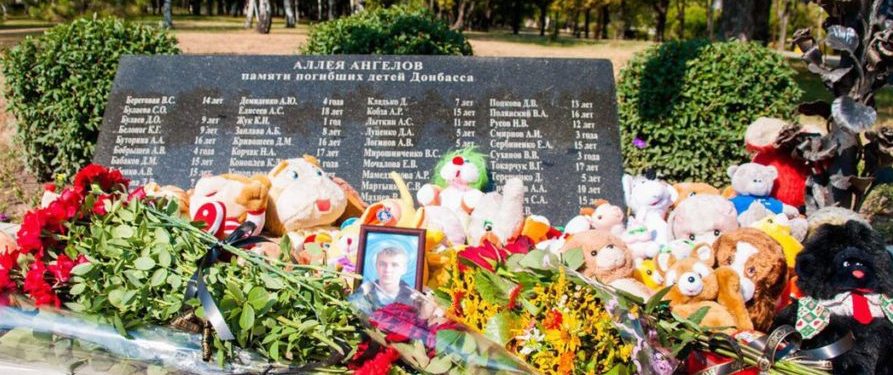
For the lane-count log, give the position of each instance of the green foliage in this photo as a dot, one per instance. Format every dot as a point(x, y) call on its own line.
point(57, 84)
point(387, 31)
point(691, 102)
point(58, 10)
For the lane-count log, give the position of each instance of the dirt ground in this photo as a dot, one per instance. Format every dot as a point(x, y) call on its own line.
point(19, 190)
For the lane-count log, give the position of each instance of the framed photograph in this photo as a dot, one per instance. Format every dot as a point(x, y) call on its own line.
point(391, 261)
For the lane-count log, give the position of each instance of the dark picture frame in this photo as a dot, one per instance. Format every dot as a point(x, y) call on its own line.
point(365, 248)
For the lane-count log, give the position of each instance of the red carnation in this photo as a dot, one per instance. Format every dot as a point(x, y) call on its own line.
point(483, 256)
point(380, 364)
point(38, 288)
point(513, 296)
point(553, 319)
point(107, 180)
point(99, 205)
point(7, 264)
point(62, 269)
point(29, 235)
point(138, 194)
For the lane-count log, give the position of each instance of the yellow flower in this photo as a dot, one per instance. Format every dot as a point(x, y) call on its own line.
point(567, 337)
point(566, 363)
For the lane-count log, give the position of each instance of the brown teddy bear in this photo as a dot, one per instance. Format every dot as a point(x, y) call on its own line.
point(607, 259)
point(696, 285)
point(760, 263)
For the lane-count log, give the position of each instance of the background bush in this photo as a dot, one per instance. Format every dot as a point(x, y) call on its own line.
point(690, 103)
point(387, 31)
point(57, 85)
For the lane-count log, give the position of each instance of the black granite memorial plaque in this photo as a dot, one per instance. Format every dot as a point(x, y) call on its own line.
point(551, 122)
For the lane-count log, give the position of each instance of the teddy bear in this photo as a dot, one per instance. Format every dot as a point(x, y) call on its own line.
point(498, 217)
point(702, 218)
point(649, 200)
point(845, 276)
point(695, 285)
point(226, 201)
point(761, 139)
point(760, 263)
point(602, 216)
point(608, 260)
point(752, 184)
point(685, 190)
point(460, 177)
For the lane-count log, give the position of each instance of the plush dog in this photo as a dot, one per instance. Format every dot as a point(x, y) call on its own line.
point(760, 263)
point(302, 196)
point(846, 278)
point(225, 201)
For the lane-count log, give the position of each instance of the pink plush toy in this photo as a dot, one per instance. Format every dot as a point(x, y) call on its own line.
point(602, 216)
point(459, 178)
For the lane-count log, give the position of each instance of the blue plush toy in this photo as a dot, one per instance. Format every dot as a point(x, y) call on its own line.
point(753, 183)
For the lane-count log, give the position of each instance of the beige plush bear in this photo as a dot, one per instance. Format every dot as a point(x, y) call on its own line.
point(607, 259)
point(702, 218)
point(753, 184)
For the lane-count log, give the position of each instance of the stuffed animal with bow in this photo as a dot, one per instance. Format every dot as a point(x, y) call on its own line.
point(846, 278)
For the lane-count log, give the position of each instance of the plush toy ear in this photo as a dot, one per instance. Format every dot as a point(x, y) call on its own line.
point(773, 172)
point(674, 194)
point(731, 171)
point(704, 253)
point(637, 262)
point(665, 261)
point(627, 188)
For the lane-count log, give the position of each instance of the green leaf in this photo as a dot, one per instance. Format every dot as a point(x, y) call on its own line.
point(77, 289)
point(144, 263)
point(447, 339)
point(274, 350)
point(123, 231)
point(499, 327)
point(116, 298)
point(574, 259)
point(258, 297)
point(82, 269)
point(439, 365)
point(493, 288)
point(158, 277)
point(272, 282)
point(656, 300)
point(164, 258)
point(246, 319)
point(119, 326)
point(699, 315)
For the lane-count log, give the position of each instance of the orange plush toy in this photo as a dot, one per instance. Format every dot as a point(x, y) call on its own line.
point(760, 263)
point(696, 285)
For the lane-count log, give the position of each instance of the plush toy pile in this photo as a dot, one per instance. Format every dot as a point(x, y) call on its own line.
point(730, 259)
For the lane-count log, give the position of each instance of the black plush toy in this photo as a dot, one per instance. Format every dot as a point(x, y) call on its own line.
point(846, 276)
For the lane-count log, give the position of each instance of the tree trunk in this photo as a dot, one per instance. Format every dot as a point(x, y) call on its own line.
point(331, 10)
point(555, 21)
point(459, 24)
point(196, 7)
point(221, 7)
point(166, 11)
point(250, 12)
point(544, 7)
point(736, 20)
point(710, 34)
point(661, 7)
point(586, 23)
point(784, 14)
point(264, 16)
point(210, 7)
point(762, 10)
point(289, 13)
point(606, 19)
point(575, 16)
point(516, 16)
point(626, 18)
point(319, 10)
point(680, 17)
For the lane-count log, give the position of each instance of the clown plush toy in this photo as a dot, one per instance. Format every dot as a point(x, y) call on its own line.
point(459, 178)
point(224, 202)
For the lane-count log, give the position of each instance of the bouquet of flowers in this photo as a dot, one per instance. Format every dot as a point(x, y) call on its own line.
point(125, 259)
